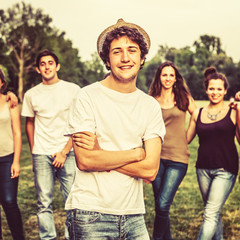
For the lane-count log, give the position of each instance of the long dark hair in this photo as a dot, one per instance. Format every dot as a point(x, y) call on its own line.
point(180, 88)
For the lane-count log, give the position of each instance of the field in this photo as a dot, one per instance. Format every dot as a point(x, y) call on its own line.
point(186, 211)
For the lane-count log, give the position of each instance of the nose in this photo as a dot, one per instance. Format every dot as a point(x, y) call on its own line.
point(125, 56)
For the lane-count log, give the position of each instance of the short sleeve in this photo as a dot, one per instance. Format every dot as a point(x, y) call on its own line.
point(27, 107)
point(155, 126)
point(81, 117)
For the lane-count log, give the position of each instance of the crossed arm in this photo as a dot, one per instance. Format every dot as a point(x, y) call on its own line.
point(135, 162)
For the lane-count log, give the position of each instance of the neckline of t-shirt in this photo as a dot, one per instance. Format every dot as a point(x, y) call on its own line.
point(51, 85)
point(109, 90)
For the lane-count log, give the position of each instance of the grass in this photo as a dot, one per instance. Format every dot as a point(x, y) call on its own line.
point(186, 210)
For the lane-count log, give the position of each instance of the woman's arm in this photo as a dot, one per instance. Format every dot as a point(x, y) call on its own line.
point(17, 139)
point(191, 132)
point(191, 106)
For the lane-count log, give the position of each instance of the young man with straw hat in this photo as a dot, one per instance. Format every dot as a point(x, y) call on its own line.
point(109, 121)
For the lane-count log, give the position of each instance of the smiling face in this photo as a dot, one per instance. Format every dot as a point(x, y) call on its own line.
point(48, 69)
point(167, 77)
point(216, 91)
point(124, 59)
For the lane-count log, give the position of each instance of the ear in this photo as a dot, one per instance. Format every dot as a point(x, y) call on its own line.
point(58, 67)
point(37, 69)
point(143, 60)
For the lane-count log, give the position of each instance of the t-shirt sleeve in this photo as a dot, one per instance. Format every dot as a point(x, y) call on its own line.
point(27, 107)
point(156, 126)
point(81, 117)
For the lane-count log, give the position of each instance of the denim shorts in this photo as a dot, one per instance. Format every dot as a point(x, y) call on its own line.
point(91, 225)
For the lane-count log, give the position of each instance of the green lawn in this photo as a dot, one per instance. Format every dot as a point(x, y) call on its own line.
point(186, 211)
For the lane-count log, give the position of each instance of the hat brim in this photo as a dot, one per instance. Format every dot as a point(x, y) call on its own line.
point(121, 23)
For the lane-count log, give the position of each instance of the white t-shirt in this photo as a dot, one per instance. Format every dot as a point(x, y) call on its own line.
point(121, 121)
point(50, 105)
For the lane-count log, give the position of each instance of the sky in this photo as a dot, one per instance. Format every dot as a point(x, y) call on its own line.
point(175, 23)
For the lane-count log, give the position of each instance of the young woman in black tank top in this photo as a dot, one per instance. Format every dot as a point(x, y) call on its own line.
point(217, 163)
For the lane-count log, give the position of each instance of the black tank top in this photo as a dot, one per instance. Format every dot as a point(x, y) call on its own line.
point(217, 148)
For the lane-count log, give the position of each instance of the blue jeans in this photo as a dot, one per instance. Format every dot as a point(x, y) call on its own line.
point(165, 185)
point(88, 225)
point(215, 186)
point(44, 177)
point(8, 198)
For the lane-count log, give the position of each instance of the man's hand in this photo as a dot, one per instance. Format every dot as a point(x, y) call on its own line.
point(12, 98)
point(237, 96)
point(234, 104)
point(86, 140)
point(59, 159)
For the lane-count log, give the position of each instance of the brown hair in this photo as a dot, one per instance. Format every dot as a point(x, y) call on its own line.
point(131, 33)
point(2, 77)
point(180, 89)
point(211, 73)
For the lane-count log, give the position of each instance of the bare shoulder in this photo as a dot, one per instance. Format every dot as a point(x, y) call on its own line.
point(195, 114)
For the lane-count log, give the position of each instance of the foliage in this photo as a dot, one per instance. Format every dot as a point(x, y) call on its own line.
point(24, 32)
point(191, 61)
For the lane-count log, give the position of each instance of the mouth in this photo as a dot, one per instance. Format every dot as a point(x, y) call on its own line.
point(127, 67)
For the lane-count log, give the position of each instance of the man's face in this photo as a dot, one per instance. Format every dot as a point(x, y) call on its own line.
point(48, 68)
point(124, 59)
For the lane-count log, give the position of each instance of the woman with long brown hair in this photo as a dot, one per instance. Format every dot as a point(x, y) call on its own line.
point(171, 91)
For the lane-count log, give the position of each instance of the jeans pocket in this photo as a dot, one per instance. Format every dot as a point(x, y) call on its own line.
point(85, 217)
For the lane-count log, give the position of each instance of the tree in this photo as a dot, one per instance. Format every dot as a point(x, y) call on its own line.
point(21, 29)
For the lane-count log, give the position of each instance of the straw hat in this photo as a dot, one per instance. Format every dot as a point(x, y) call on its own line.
point(121, 23)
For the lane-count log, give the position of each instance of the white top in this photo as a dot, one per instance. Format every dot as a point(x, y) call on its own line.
point(50, 105)
point(121, 121)
point(6, 133)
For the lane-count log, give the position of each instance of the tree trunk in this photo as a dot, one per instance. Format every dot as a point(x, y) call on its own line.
point(20, 80)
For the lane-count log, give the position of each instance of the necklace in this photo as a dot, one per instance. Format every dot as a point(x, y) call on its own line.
point(214, 117)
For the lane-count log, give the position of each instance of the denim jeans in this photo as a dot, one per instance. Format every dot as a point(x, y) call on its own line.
point(215, 186)
point(165, 185)
point(88, 225)
point(8, 198)
point(44, 177)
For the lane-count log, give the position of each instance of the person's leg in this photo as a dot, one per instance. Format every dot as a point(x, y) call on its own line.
point(8, 198)
point(136, 228)
point(66, 176)
point(44, 177)
point(172, 174)
point(0, 225)
point(215, 186)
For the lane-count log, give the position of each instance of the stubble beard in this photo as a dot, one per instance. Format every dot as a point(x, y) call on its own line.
point(124, 80)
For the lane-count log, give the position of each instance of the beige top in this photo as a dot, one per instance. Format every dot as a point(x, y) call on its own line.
point(6, 134)
point(175, 145)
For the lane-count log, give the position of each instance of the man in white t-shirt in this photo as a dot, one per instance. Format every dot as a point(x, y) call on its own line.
point(106, 199)
point(46, 107)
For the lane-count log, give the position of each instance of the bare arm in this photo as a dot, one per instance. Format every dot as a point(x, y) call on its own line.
point(17, 138)
point(12, 99)
point(191, 132)
point(148, 168)
point(99, 160)
point(191, 106)
point(30, 131)
point(60, 157)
